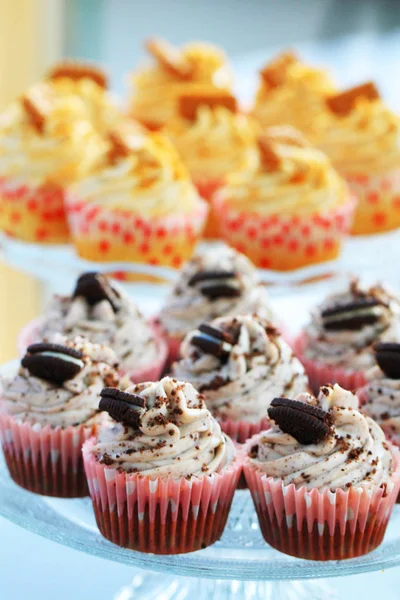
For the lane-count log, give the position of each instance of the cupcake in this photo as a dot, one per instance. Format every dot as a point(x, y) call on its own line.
point(213, 139)
point(361, 136)
point(337, 345)
point(215, 282)
point(289, 208)
point(156, 87)
point(48, 409)
point(138, 205)
point(240, 364)
point(100, 311)
point(323, 479)
point(380, 397)
point(162, 474)
point(293, 93)
point(45, 144)
point(88, 83)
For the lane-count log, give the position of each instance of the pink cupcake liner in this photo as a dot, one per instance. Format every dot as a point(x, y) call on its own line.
point(162, 516)
point(30, 334)
point(173, 342)
point(240, 431)
point(320, 374)
point(321, 525)
point(45, 460)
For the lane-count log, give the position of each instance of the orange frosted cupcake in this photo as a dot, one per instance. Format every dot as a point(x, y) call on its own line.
point(45, 144)
point(213, 139)
point(138, 205)
point(89, 83)
point(291, 92)
point(288, 210)
point(156, 87)
point(361, 136)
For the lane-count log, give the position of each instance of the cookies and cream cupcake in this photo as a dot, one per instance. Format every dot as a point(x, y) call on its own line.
point(215, 282)
point(240, 364)
point(323, 478)
point(156, 87)
point(161, 447)
point(100, 311)
point(48, 408)
point(337, 344)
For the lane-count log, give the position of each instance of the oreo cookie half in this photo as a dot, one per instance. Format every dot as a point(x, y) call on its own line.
point(214, 340)
point(387, 355)
point(216, 284)
point(353, 315)
point(121, 406)
point(307, 424)
point(95, 287)
point(53, 362)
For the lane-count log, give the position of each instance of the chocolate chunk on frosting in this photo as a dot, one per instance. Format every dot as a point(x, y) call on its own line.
point(308, 424)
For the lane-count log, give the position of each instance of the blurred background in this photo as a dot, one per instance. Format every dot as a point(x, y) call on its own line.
point(358, 39)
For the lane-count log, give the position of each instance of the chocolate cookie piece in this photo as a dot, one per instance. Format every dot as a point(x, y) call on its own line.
point(95, 287)
point(53, 362)
point(306, 423)
point(353, 315)
point(216, 284)
point(121, 406)
point(387, 355)
point(214, 340)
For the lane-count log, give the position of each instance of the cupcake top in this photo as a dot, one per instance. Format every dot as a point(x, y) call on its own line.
point(47, 140)
point(161, 429)
point(59, 384)
point(101, 312)
point(323, 444)
point(359, 132)
point(382, 392)
point(141, 173)
point(346, 325)
point(292, 92)
point(89, 83)
point(286, 176)
point(210, 134)
point(240, 364)
point(214, 283)
point(175, 70)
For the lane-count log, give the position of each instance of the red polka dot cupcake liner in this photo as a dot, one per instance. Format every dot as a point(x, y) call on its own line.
point(33, 214)
point(207, 190)
point(111, 235)
point(284, 243)
point(45, 460)
point(162, 516)
point(320, 374)
point(378, 207)
point(321, 525)
point(31, 334)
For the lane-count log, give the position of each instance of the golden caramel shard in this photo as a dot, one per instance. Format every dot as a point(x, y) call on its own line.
point(343, 103)
point(124, 140)
point(269, 159)
point(170, 58)
point(37, 103)
point(274, 73)
point(75, 70)
point(189, 102)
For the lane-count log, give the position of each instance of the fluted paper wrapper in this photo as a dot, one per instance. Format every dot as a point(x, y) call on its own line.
point(240, 431)
point(45, 460)
point(320, 374)
point(321, 525)
point(162, 516)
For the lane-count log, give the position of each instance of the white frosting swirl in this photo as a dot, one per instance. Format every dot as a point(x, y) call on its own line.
point(383, 402)
point(176, 435)
point(126, 330)
point(74, 402)
point(353, 454)
point(186, 307)
point(260, 366)
point(352, 348)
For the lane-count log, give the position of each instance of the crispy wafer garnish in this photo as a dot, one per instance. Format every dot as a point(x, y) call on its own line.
point(274, 73)
point(169, 57)
point(123, 141)
point(269, 158)
point(76, 70)
point(37, 103)
point(343, 103)
point(189, 102)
